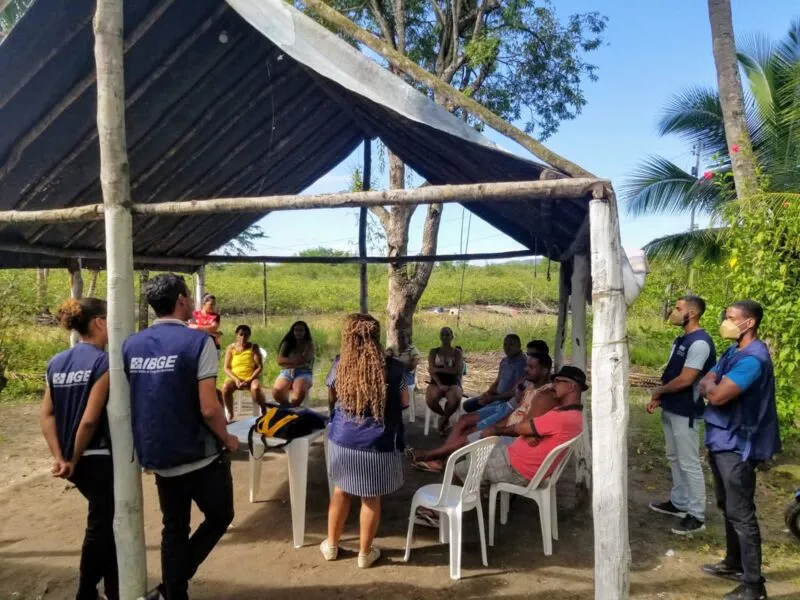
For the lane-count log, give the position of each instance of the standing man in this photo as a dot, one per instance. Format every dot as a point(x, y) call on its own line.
point(179, 431)
point(693, 354)
point(741, 432)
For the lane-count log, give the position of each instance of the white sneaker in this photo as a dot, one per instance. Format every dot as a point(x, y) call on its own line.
point(328, 552)
point(367, 560)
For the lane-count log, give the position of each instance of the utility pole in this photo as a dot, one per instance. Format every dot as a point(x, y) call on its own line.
point(697, 149)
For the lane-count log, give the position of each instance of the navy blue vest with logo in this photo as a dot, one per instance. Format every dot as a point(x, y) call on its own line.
point(683, 403)
point(748, 424)
point(70, 377)
point(168, 427)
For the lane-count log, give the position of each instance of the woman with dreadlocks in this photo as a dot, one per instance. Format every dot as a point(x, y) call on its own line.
point(365, 439)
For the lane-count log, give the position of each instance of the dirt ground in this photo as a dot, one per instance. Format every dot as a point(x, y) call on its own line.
point(43, 519)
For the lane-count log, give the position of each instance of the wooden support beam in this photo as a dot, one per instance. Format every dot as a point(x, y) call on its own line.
point(363, 295)
point(189, 263)
point(199, 286)
point(115, 182)
point(513, 191)
point(454, 96)
point(610, 365)
point(264, 282)
point(144, 307)
point(76, 293)
point(580, 289)
point(561, 320)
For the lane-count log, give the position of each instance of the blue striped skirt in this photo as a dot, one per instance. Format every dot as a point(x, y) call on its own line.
point(365, 473)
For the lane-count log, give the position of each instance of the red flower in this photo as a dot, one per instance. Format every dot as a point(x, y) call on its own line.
point(735, 148)
point(708, 175)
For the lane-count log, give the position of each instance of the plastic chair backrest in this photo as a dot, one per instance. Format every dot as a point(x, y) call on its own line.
point(477, 453)
point(263, 353)
point(562, 453)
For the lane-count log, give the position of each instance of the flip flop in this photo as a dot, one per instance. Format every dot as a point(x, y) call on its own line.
point(410, 455)
point(424, 465)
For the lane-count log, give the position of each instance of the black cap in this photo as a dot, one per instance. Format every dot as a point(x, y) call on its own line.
point(573, 373)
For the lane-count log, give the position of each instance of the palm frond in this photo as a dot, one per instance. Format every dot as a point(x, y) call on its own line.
point(659, 186)
point(701, 245)
point(695, 114)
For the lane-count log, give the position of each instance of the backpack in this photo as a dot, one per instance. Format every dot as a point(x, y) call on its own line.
point(285, 424)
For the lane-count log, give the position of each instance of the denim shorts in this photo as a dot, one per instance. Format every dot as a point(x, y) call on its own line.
point(491, 414)
point(294, 374)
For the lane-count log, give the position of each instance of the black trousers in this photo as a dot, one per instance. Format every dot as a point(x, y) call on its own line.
point(211, 488)
point(94, 478)
point(735, 489)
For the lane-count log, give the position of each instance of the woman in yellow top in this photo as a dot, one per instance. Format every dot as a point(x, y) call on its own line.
point(243, 367)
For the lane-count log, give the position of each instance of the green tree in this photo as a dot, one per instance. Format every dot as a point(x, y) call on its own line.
point(245, 242)
point(659, 186)
point(517, 57)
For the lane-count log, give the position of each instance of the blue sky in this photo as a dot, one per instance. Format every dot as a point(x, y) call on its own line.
point(652, 52)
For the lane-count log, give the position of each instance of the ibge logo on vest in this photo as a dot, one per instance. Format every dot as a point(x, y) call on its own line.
point(72, 378)
point(155, 364)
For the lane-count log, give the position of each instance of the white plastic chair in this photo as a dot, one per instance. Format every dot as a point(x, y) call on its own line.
point(541, 489)
point(412, 404)
point(240, 396)
point(452, 501)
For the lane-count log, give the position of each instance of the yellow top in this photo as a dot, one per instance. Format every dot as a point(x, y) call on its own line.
point(243, 362)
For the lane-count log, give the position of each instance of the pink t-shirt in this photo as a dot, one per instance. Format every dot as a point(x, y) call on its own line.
point(554, 428)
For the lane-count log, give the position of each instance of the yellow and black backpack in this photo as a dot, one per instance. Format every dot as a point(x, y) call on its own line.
point(284, 424)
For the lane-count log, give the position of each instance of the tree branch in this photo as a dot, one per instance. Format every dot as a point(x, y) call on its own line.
point(382, 215)
point(400, 25)
point(430, 236)
point(382, 23)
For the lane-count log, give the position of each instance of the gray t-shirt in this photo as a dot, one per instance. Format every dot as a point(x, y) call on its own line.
point(696, 357)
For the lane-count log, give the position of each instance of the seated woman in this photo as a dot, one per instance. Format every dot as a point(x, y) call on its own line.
point(207, 318)
point(532, 399)
point(445, 368)
point(365, 438)
point(243, 367)
point(406, 353)
point(296, 359)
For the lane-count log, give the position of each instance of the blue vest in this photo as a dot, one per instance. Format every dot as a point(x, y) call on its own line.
point(70, 377)
point(749, 423)
point(683, 403)
point(168, 427)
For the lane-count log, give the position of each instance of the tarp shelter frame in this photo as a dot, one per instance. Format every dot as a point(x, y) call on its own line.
point(609, 356)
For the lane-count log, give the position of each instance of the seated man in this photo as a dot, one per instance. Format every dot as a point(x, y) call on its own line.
point(528, 403)
point(537, 347)
point(243, 366)
point(511, 372)
point(533, 439)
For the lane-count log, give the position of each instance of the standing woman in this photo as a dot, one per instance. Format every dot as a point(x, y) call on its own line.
point(207, 318)
point(445, 365)
point(365, 439)
point(296, 359)
point(75, 426)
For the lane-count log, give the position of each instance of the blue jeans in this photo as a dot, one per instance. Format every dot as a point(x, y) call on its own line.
point(471, 405)
point(493, 413)
point(683, 452)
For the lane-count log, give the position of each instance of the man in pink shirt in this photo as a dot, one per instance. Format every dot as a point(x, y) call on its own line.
point(526, 444)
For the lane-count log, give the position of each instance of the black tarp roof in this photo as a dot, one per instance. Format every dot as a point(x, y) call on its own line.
point(215, 108)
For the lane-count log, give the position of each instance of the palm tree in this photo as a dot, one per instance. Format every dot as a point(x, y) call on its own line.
point(772, 113)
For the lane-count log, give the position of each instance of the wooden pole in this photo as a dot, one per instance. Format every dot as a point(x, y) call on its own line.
point(115, 183)
point(580, 288)
point(561, 320)
point(144, 307)
point(199, 286)
point(610, 365)
point(454, 97)
point(76, 293)
point(264, 282)
point(362, 230)
point(505, 191)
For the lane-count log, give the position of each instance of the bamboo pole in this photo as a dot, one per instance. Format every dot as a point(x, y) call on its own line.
point(455, 97)
point(610, 365)
point(199, 286)
point(144, 308)
point(115, 183)
point(363, 295)
point(506, 191)
point(561, 320)
point(264, 282)
point(580, 287)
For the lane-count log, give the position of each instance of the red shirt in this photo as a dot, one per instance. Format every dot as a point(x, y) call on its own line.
point(205, 319)
point(553, 428)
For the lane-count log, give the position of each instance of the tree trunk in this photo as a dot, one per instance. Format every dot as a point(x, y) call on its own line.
point(731, 99)
point(41, 290)
point(564, 273)
point(115, 183)
point(76, 293)
point(580, 286)
point(92, 283)
point(144, 307)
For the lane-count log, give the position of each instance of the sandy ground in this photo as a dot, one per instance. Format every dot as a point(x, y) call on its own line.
point(43, 519)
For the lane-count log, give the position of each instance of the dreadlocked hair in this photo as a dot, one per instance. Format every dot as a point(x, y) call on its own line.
point(361, 374)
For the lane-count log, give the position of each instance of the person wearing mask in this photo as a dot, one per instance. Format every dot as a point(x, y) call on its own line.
point(510, 372)
point(692, 356)
point(741, 432)
point(179, 431)
point(75, 426)
point(365, 437)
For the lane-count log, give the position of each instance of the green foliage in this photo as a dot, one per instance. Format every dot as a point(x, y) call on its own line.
point(244, 243)
point(764, 266)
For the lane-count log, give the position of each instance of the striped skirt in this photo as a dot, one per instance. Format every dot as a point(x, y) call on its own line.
point(365, 473)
